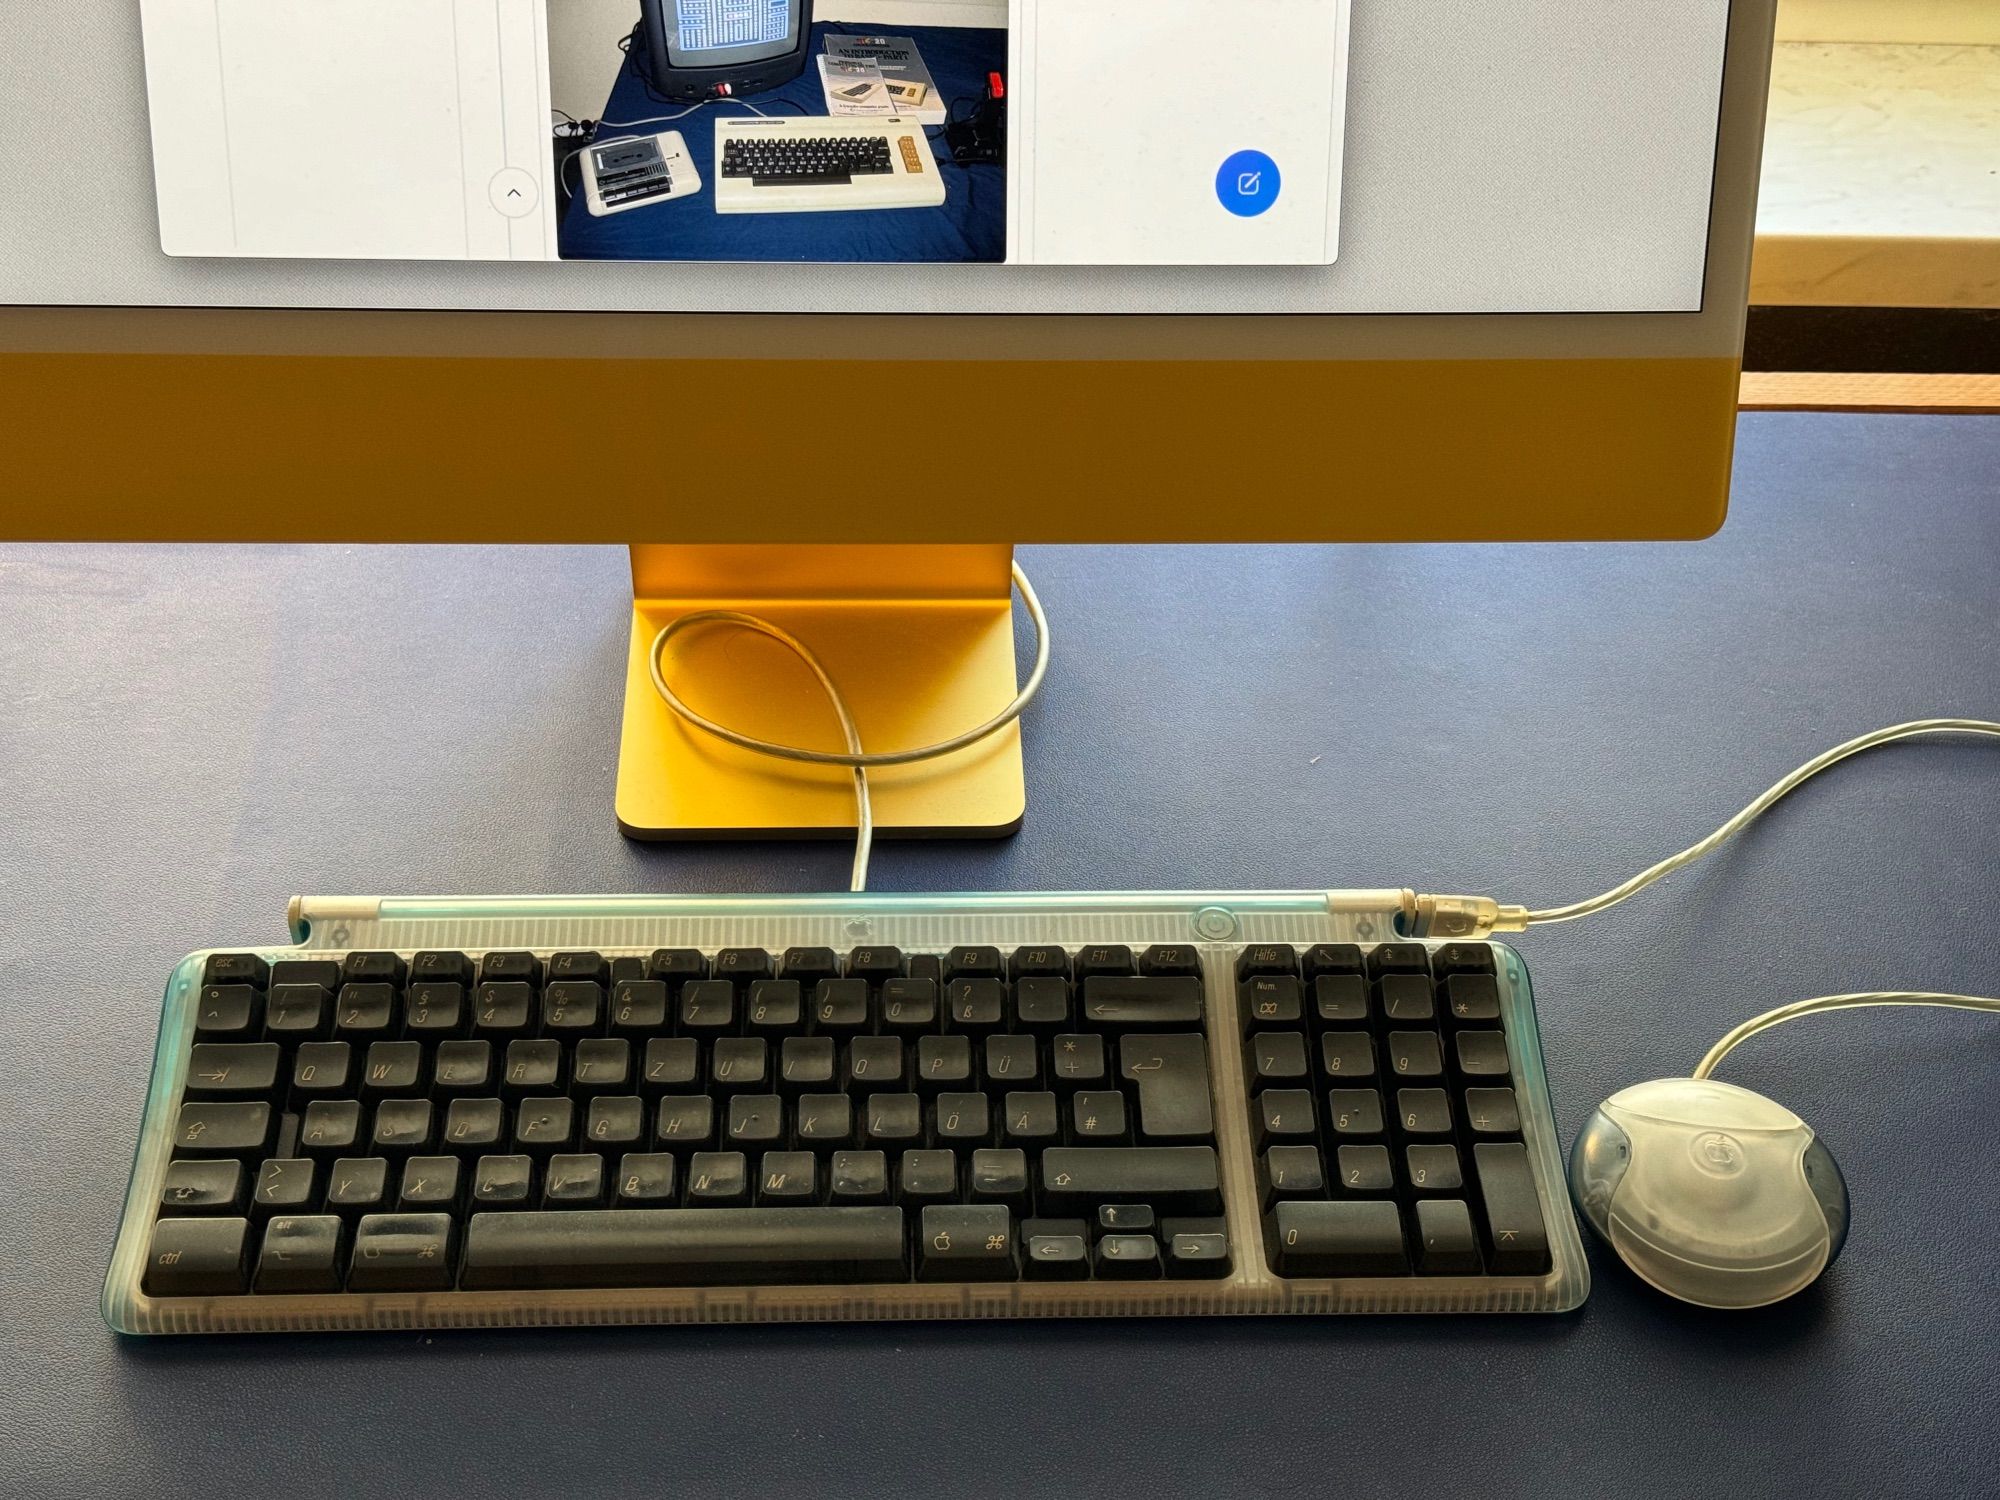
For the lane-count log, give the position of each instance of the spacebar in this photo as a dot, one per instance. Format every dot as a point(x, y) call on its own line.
point(683, 1247)
point(803, 179)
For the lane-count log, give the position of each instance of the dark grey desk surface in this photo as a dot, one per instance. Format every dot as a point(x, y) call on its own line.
point(189, 737)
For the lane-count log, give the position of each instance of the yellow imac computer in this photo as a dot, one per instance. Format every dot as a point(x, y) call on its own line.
point(821, 306)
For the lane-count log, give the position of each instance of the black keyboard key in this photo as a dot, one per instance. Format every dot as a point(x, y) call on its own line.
point(475, 1126)
point(1282, 1117)
point(1462, 958)
point(1170, 958)
point(909, 1006)
point(401, 1253)
point(974, 962)
point(392, 1069)
point(1097, 1118)
point(1127, 1257)
point(1424, 1114)
point(330, 1128)
point(708, 1007)
point(739, 966)
point(966, 1243)
point(1364, 1169)
point(840, 1007)
point(503, 1182)
point(1323, 959)
point(1077, 1062)
point(1341, 1000)
point(895, 1120)
point(999, 1175)
point(232, 1070)
point(236, 968)
point(1138, 1004)
point(1446, 1245)
point(1414, 1054)
point(403, 1126)
point(324, 972)
point(718, 1179)
point(1031, 1119)
point(645, 1180)
point(684, 1122)
point(1171, 1075)
point(572, 1007)
point(532, 1067)
point(676, 966)
point(1406, 999)
point(807, 1064)
point(809, 965)
point(1270, 1000)
point(615, 1122)
point(285, 1185)
point(976, 1006)
point(430, 1184)
point(1517, 1243)
point(684, 1247)
point(943, 1062)
point(573, 1181)
point(1343, 1237)
point(1291, 1172)
point(1345, 1055)
point(434, 966)
point(1492, 1113)
point(757, 1122)
point(242, 1128)
point(775, 1008)
point(1277, 1059)
point(1104, 958)
point(825, 1122)
point(364, 1012)
point(670, 1065)
point(322, 1070)
point(740, 1064)
point(1398, 958)
point(1040, 962)
point(875, 1062)
point(462, 1067)
point(1267, 958)
point(924, 1177)
point(1353, 1113)
point(1472, 999)
point(603, 1064)
point(875, 964)
point(960, 1119)
point(638, 1007)
point(202, 1187)
point(510, 968)
point(1041, 1004)
point(1126, 1218)
point(504, 1010)
point(197, 1257)
point(371, 968)
point(1174, 1179)
point(544, 1125)
point(226, 1013)
point(1433, 1169)
point(1011, 1062)
point(1055, 1257)
point(435, 1009)
point(578, 965)
point(357, 1185)
point(301, 1253)
point(855, 1177)
point(1203, 1257)
point(1481, 1056)
point(297, 1012)
point(787, 1179)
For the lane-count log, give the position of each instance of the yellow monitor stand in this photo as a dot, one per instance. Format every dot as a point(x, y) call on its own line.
point(920, 641)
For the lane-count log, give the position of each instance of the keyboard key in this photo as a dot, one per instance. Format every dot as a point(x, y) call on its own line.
point(364, 1012)
point(807, 1064)
point(895, 1119)
point(202, 1187)
point(357, 1185)
point(1056, 1257)
point(718, 1179)
point(1492, 1113)
point(976, 1006)
point(1127, 1257)
point(571, 1007)
point(1481, 1056)
point(875, 964)
point(401, 1253)
point(284, 1186)
point(475, 1125)
point(1291, 1172)
point(974, 962)
point(324, 972)
point(1174, 1179)
point(757, 1122)
point(573, 1181)
point(298, 1013)
point(671, 1065)
point(1170, 958)
point(1462, 958)
point(1433, 1169)
point(436, 1009)
point(1517, 1244)
point(589, 967)
point(1364, 1169)
point(1172, 1003)
point(638, 1007)
point(503, 1182)
point(708, 1007)
point(1277, 1059)
point(1097, 1118)
point(1267, 958)
point(1041, 1004)
point(197, 1257)
point(840, 1007)
point(236, 968)
point(684, 1247)
point(544, 1125)
point(1040, 962)
point(226, 1013)
point(966, 1243)
point(1445, 1242)
point(1354, 1112)
point(330, 1128)
point(1349, 1237)
point(875, 1062)
point(943, 1062)
point(1104, 958)
point(927, 1177)
point(430, 1184)
point(740, 1064)
point(232, 1070)
point(960, 1118)
point(322, 1070)
point(1323, 959)
point(234, 1129)
point(392, 1068)
point(510, 968)
point(1198, 1256)
point(1347, 1054)
point(301, 1253)
point(909, 1006)
point(825, 1122)
point(1406, 999)
point(858, 1177)
point(372, 968)
point(1078, 1062)
point(1270, 1000)
point(1414, 1054)
point(1171, 1075)
point(462, 1068)
point(1282, 1117)
point(775, 1007)
point(1398, 958)
point(787, 1177)
point(1341, 1000)
point(1126, 1218)
point(436, 966)
point(614, 1122)
point(1011, 1062)
point(1031, 1119)
point(502, 1011)
point(1472, 998)
point(999, 1175)
point(1424, 1114)
point(645, 1180)
point(676, 966)
point(740, 966)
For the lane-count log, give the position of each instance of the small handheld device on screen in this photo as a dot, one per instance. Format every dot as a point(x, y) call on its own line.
point(720, 49)
point(632, 171)
point(981, 135)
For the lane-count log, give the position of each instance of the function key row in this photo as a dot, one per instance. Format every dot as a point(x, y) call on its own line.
point(1282, 959)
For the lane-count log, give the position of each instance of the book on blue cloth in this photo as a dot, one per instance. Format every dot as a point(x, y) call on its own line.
point(904, 75)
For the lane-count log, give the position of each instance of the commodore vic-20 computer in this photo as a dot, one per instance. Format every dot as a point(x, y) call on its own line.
point(1238, 273)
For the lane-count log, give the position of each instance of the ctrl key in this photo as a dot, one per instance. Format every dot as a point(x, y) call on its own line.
point(197, 1258)
point(301, 1253)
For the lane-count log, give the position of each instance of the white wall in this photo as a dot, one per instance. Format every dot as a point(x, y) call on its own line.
point(583, 37)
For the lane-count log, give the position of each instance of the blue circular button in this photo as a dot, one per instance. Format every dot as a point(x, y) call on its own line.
point(1247, 184)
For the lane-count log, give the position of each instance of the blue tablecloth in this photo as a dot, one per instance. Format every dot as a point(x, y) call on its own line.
point(970, 225)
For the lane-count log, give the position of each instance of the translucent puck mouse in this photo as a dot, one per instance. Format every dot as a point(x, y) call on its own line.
point(1709, 1192)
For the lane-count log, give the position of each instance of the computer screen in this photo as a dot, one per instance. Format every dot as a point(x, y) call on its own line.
point(1160, 156)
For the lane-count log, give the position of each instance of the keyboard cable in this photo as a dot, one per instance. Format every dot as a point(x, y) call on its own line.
point(1477, 916)
point(855, 759)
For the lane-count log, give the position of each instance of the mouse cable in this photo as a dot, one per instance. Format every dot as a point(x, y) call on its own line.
point(1476, 916)
point(855, 759)
point(1799, 1008)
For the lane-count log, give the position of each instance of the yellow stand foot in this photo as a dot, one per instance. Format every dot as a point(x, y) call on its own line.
point(920, 641)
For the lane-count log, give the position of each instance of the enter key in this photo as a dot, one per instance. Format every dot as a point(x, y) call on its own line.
point(1171, 1072)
